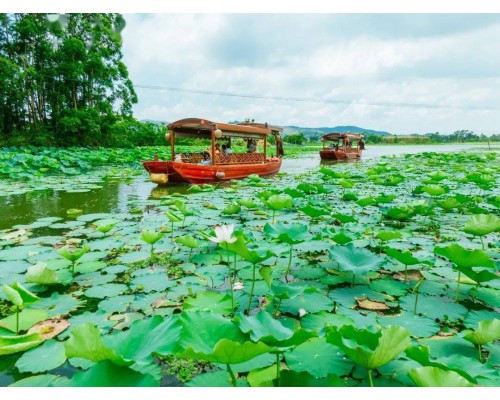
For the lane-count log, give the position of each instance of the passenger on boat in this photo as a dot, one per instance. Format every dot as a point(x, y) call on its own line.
point(217, 149)
point(251, 146)
point(279, 146)
point(226, 149)
point(361, 144)
point(206, 158)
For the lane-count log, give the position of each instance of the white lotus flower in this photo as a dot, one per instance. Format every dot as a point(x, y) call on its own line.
point(223, 234)
point(238, 286)
point(302, 312)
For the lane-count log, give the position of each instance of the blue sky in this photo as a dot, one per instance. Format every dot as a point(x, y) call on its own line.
point(450, 60)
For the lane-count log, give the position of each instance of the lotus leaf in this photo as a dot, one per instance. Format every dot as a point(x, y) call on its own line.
point(481, 224)
point(436, 377)
point(319, 358)
point(18, 343)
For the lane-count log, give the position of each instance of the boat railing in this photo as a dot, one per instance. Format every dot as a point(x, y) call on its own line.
point(240, 158)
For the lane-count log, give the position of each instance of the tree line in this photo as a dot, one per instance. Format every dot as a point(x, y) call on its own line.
point(63, 82)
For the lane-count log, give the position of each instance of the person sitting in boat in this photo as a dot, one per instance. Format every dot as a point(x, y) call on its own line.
point(207, 159)
point(217, 149)
point(251, 146)
point(226, 149)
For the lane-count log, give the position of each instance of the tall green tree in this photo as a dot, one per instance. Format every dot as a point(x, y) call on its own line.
point(63, 77)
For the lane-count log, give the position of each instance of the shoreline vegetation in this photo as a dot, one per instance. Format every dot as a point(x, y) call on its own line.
point(26, 162)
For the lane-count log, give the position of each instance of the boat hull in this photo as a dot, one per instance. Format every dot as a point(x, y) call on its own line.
point(162, 172)
point(339, 154)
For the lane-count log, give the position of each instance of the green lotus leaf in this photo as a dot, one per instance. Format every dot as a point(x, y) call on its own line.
point(278, 202)
point(201, 331)
point(486, 332)
point(86, 342)
point(151, 237)
point(231, 209)
point(188, 241)
point(18, 343)
point(385, 199)
point(173, 217)
point(341, 238)
point(404, 257)
point(481, 224)
point(13, 295)
point(436, 377)
point(45, 380)
point(141, 341)
point(27, 318)
point(313, 212)
point(264, 328)
point(248, 203)
point(288, 233)
point(304, 379)
point(356, 260)
point(219, 303)
point(402, 213)
point(464, 258)
point(43, 358)
point(229, 352)
point(449, 203)
point(346, 184)
point(385, 236)
point(366, 201)
point(41, 274)
point(266, 274)
point(74, 211)
point(434, 190)
point(318, 358)
point(19, 295)
point(294, 194)
point(73, 255)
point(108, 374)
point(344, 218)
point(253, 256)
point(370, 349)
point(438, 176)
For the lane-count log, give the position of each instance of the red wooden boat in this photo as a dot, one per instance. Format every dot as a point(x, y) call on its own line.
point(342, 146)
point(201, 167)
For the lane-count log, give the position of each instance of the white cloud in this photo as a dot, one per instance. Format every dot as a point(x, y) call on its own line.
point(433, 59)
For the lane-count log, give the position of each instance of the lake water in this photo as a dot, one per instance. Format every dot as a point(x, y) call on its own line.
point(115, 196)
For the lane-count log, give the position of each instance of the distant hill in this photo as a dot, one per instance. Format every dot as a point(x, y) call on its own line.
point(288, 130)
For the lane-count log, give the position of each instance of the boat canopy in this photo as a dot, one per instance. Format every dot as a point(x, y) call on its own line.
point(202, 128)
point(338, 135)
point(274, 129)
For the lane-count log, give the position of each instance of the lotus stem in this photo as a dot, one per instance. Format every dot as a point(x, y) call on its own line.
point(276, 311)
point(17, 320)
point(475, 293)
point(353, 279)
point(458, 287)
point(190, 253)
point(370, 378)
point(183, 221)
point(289, 263)
point(416, 301)
point(235, 270)
point(230, 279)
point(406, 272)
point(480, 351)
point(274, 212)
point(233, 378)
point(482, 243)
point(172, 231)
point(278, 368)
point(73, 268)
point(151, 255)
point(251, 290)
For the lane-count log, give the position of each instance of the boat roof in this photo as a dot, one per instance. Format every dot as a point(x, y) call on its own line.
point(274, 128)
point(339, 135)
point(202, 128)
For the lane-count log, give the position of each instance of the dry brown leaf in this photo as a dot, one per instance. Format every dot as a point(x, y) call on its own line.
point(372, 305)
point(411, 275)
point(50, 327)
